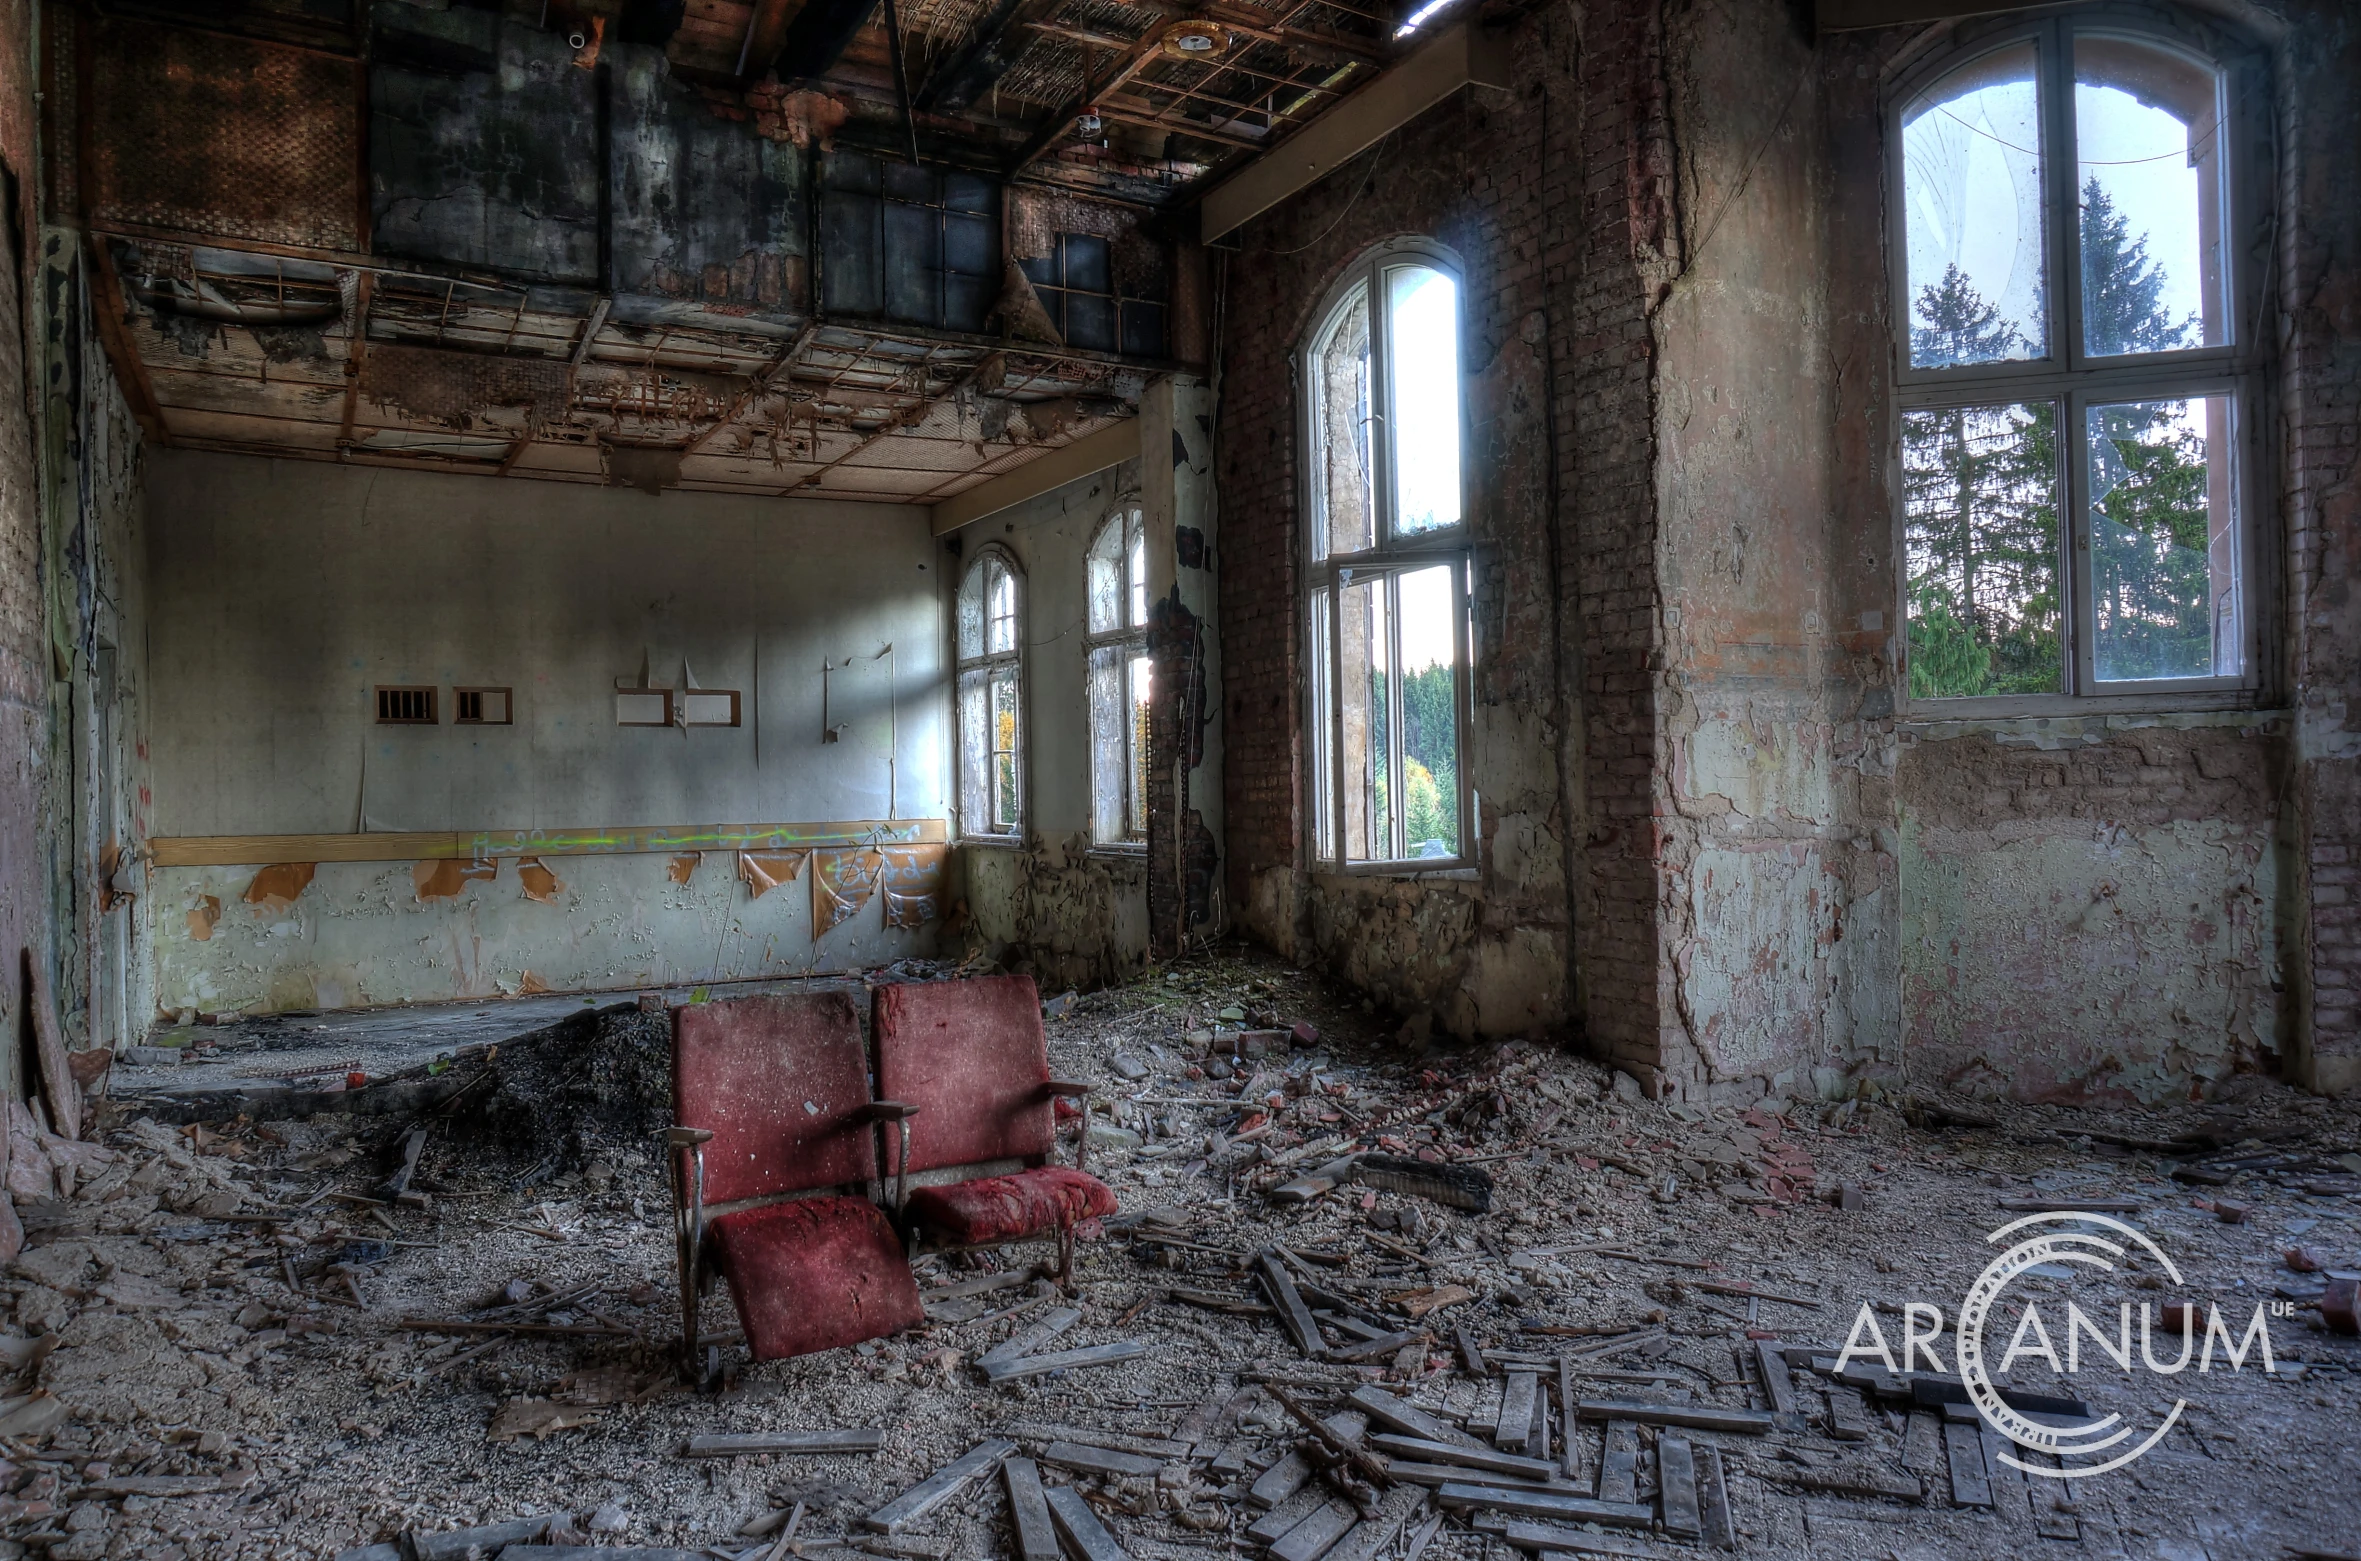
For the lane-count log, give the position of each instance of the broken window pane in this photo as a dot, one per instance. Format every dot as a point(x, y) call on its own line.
point(1004, 750)
point(1323, 714)
point(1980, 488)
point(1422, 345)
point(1001, 604)
point(1119, 680)
point(2164, 543)
point(2147, 142)
point(1109, 763)
point(1429, 700)
point(1344, 509)
point(1140, 677)
point(1365, 644)
point(1972, 199)
point(990, 696)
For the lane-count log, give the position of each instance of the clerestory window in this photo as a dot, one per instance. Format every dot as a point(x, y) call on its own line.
point(991, 697)
point(2077, 402)
point(1386, 579)
point(1120, 676)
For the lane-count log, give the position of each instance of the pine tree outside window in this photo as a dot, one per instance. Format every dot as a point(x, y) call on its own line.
point(1120, 682)
point(991, 635)
point(2077, 252)
point(1386, 578)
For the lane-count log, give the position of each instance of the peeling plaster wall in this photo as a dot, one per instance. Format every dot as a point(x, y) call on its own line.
point(25, 662)
point(2094, 910)
point(1072, 915)
point(285, 591)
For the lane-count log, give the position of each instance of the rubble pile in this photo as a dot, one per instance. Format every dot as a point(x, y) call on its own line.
point(1370, 1298)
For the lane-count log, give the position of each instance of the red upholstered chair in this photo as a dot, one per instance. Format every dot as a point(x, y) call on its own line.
point(774, 1164)
point(971, 1058)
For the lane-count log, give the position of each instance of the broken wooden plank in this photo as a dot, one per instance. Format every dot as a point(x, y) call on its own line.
point(1751, 1292)
point(1516, 1409)
point(1028, 1511)
point(1566, 1416)
point(984, 1286)
point(1313, 1183)
point(1090, 1436)
point(1697, 1417)
point(760, 1442)
point(1545, 1504)
point(1848, 1417)
point(2072, 1205)
point(1374, 1535)
point(1280, 1481)
point(1400, 1415)
point(1419, 1447)
point(2010, 1497)
point(1471, 1358)
point(1676, 1482)
point(1294, 1316)
point(1408, 1471)
point(1026, 1340)
point(2055, 1513)
point(1549, 1539)
point(938, 1487)
point(1965, 1449)
point(488, 1538)
point(1922, 1443)
point(1063, 1360)
point(1317, 1534)
point(1276, 1522)
point(1619, 1462)
point(1082, 1527)
point(1841, 1479)
point(1713, 1499)
point(1100, 1460)
point(1373, 1349)
point(1778, 1385)
point(1537, 1434)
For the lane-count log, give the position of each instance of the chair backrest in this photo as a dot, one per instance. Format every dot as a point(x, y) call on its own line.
point(780, 1081)
point(971, 1056)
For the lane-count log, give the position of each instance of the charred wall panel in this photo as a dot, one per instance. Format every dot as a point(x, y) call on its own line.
point(703, 208)
point(483, 146)
point(200, 132)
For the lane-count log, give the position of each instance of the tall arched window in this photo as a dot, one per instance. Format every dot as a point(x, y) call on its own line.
point(2077, 398)
point(1119, 682)
point(1386, 579)
point(991, 697)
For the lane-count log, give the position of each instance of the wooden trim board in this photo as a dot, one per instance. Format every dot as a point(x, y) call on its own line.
point(1110, 446)
point(482, 845)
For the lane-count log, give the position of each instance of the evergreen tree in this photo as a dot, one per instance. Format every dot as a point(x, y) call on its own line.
point(1960, 327)
point(2122, 288)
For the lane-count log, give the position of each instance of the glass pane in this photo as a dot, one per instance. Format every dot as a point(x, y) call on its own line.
point(1004, 750)
point(1980, 488)
point(2163, 541)
point(1430, 714)
point(1139, 574)
point(1323, 776)
point(1365, 661)
point(1140, 677)
point(1109, 761)
point(971, 611)
point(1423, 345)
point(1106, 577)
point(1001, 606)
point(1971, 195)
point(1344, 518)
point(975, 752)
point(2147, 145)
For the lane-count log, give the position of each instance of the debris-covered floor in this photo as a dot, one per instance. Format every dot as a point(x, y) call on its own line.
point(289, 1338)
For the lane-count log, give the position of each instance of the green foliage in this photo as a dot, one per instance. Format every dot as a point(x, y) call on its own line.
point(1960, 327)
point(2122, 288)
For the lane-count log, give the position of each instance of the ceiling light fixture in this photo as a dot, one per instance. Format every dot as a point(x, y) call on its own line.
point(1196, 40)
point(1089, 124)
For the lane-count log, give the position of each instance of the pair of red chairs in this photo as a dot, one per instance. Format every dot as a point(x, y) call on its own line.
point(785, 1162)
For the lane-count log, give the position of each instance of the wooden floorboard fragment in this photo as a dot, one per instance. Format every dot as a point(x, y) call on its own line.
point(1028, 1511)
point(938, 1487)
point(1964, 1446)
point(1676, 1483)
point(1082, 1528)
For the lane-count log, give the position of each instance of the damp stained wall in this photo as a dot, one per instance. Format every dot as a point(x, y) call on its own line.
point(1074, 914)
point(285, 592)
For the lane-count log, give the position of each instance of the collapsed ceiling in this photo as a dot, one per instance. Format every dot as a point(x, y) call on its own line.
point(710, 245)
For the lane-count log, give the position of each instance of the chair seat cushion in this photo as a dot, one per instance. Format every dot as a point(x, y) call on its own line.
point(1011, 1207)
point(814, 1274)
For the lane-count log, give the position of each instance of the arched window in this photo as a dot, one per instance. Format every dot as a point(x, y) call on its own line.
point(991, 697)
point(1119, 682)
point(2077, 398)
point(1386, 579)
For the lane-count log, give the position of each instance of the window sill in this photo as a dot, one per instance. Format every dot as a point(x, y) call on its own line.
point(996, 842)
point(2016, 707)
point(2084, 722)
point(1121, 851)
point(1457, 872)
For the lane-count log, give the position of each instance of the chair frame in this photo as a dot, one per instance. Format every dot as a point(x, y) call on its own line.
point(914, 1241)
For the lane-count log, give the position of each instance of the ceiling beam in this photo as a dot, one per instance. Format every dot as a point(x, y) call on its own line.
point(1052, 127)
point(114, 332)
point(783, 364)
point(1461, 55)
point(896, 422)
point(356, 353)
point(565, 406)
point(1005, 33)
point(1110, 446)
point(818, 35)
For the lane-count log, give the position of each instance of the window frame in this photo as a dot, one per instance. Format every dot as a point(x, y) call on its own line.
point(1325, 575)
point(1129, 519)
point(2074, 380)
point(1014, 658)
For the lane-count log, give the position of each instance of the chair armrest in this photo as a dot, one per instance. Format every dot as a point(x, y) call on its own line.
point(889, 1111)
point(1061, 1087)
point(895, 1113)
point(687, 1137)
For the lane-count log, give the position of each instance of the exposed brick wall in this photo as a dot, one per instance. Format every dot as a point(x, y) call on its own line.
point(2320, 307)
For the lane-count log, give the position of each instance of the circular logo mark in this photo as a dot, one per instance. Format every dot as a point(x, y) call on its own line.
point(2074, 1243)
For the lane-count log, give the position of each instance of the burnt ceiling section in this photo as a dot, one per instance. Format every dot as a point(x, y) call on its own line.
point(625, 243)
